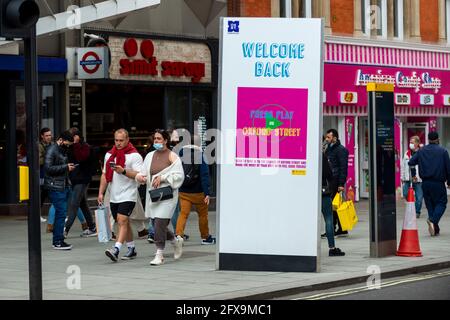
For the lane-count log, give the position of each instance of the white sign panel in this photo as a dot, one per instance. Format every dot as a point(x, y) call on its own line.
point(348, 97)
point(271, 120)
point(92, 63)
point(446, 99)
point(402, 99)
point(427, 99)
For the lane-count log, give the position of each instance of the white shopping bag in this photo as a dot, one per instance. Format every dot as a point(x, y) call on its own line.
point(102, 220)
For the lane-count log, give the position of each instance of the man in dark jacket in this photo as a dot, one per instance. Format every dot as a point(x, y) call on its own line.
point(80, 179)
point(56, 181)
point(338, 157)
point(195, 190)
point(434, 167)
point(327, 207)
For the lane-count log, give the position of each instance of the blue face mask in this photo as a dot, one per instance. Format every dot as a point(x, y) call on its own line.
point(158, 146)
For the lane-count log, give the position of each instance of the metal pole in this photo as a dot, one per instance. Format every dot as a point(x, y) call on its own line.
point(34, 208)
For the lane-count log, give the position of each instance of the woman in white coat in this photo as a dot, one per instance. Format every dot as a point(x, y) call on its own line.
point(162, 168)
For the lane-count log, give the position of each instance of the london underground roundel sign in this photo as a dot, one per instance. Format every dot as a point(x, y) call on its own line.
point(90, 62)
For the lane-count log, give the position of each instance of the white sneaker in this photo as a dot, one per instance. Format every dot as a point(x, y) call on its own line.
point(158, 260)
point(178, 247)
point(43, 220)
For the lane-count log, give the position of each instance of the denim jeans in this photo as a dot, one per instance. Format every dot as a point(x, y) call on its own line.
point(176, 213)
point(418, 194)
point(51, 215)
point(327, 212)
point(77, 200)
point(59, 199)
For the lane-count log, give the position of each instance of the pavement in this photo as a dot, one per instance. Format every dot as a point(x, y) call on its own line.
point(85, 273)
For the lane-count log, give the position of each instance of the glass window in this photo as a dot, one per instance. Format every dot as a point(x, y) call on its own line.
point(47, 108)
point(379, 17)
point(298, 9)
point(396, 18)
point(178, 109)
point(201, 113)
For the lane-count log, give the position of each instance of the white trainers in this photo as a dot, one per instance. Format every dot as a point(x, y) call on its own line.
point(158, 260)
point(43, 220)
point(178, 247)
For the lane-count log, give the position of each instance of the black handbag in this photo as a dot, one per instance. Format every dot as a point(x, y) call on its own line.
point(161, 194)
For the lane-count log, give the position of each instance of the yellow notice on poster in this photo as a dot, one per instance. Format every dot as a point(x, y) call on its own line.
point(299, 172)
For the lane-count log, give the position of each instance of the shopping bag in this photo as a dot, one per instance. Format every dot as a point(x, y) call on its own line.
point(102, 220)
point(347, 215)
point(337, 201)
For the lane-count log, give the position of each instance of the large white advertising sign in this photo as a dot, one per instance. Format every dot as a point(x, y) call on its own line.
point(271, 121)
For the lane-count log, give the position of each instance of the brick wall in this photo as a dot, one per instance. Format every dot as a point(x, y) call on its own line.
point(342, 16)
point(249, 8)
point(429, 20)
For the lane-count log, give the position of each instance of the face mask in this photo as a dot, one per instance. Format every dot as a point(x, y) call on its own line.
point(412, 146)
point(173, 143)
point(158, 146)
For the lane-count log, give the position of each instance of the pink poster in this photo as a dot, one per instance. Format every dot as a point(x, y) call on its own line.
point(350, 145)
point(271, 127)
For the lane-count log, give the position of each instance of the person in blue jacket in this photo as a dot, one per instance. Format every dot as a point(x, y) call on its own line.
point(434, 166)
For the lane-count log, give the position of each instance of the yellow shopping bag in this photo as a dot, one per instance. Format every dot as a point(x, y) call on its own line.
point(347, 215)
point(337, 201)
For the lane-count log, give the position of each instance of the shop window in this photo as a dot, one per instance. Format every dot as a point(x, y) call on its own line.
point(178, 109)
point(201, 108)
point(47, 108)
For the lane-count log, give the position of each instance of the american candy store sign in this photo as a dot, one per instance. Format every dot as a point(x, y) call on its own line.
point(415, 80)
point(413, 87)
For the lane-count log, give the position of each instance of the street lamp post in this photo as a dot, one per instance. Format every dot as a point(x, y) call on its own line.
point(18, 20)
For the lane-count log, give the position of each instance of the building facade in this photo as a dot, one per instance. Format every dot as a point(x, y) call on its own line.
point(404, 42)
point(178, 37)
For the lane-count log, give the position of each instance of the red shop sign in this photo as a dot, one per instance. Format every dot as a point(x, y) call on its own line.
point(149, 65)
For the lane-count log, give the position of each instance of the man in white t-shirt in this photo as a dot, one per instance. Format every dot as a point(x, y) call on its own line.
point(121, 165)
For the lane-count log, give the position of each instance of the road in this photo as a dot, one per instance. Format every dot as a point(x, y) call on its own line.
point(424, 286)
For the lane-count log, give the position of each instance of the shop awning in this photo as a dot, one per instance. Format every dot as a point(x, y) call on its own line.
point(45, 64)
point(399, 111)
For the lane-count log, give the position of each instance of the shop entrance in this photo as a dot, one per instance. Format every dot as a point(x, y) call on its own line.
point(411, 129)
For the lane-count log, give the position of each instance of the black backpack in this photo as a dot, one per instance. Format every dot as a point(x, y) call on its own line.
point(191, 171)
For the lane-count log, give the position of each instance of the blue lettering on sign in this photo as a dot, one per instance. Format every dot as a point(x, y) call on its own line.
point(233, 26)
point(280, 51)
point(276, 70)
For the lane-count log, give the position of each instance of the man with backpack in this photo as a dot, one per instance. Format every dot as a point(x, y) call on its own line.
point(195, 190)
point(84, 162)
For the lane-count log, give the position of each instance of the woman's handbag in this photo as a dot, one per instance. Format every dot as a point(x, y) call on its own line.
point(161, 194)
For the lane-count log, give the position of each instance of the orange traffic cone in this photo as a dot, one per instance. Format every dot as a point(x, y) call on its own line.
point(409, 242)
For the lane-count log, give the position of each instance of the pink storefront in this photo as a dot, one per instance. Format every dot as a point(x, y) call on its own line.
point(422, 97)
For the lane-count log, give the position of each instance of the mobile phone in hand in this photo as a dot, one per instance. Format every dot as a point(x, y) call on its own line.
point(112, 164)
